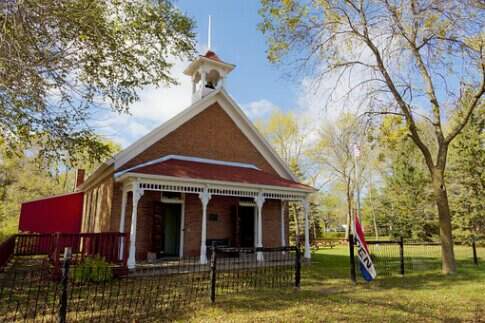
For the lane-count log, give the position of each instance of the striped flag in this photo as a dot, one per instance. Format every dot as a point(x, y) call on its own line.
point(366, 265)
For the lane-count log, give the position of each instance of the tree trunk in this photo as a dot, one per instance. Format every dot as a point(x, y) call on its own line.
point(441, 197)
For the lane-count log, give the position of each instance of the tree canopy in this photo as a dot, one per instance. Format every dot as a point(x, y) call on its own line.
point(59, 60)
point(421, 60)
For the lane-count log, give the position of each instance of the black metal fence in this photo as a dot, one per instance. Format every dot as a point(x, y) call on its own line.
point(391, 257)
point(151, 293)
point(279, 267)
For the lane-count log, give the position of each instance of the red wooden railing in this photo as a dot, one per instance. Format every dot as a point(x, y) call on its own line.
point(105, 245)
point(7, 249)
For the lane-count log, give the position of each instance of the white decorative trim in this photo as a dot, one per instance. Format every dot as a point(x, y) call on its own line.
point(223, 191)
point(270, 191)
point(190, 159)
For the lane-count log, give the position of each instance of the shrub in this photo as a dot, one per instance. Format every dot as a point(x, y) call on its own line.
point(94, 269)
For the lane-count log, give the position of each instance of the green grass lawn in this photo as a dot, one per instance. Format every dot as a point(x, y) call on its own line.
point(327, 295)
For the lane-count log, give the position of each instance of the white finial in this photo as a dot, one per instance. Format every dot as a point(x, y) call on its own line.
point(209, 34)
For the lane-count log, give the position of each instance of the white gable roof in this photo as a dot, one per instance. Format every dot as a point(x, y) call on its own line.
point(229, 106)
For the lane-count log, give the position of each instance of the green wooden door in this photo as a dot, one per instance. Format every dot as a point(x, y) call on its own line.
point(171, 227)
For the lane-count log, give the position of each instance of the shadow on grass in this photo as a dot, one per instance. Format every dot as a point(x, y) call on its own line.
point(328, 292)
point(339, 304)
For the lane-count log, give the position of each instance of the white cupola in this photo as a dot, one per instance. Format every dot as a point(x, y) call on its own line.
point(208, 73)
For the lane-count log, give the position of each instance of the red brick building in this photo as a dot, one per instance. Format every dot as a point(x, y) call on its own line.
point(204, 176)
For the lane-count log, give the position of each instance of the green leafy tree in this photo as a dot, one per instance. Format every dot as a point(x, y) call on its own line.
point(403, 203)
point(467, 179)
point(21, 179)
point(62, 61)
point(420, 60)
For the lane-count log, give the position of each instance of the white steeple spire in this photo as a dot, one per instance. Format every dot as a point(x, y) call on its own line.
point(209, 34)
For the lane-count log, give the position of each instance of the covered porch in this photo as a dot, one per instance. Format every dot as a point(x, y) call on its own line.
point(204, 203)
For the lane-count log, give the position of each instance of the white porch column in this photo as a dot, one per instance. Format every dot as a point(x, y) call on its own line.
point(259, 205)
point(124, 197)
point(137, 194)
point(204, 198)
point(283, 235)
point(306, 208)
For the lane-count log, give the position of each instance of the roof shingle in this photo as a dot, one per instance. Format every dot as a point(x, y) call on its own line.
point(214, 172)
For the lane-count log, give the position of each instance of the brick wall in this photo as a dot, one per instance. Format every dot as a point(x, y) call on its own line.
point(210, 134)
point(223, 228)
point(271, 223)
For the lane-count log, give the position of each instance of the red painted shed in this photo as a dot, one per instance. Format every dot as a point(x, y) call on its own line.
point(60, 213)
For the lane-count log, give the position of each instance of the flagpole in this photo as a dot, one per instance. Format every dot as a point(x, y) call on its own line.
point(357, 181)
point(353, 274)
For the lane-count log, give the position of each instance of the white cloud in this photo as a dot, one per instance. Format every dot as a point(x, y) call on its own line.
point(260, 109)
point(156, 105)
point(160, 104)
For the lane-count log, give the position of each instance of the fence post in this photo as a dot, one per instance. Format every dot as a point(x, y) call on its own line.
point(297, 265)
point(353, 276)
point(474, 247)
point(213, 269)
point(64, 283)
point(401, 254)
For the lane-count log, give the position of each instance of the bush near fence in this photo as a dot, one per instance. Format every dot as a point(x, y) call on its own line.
point(151, 293)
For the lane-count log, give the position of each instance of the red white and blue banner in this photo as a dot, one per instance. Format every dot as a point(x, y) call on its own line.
point(366, 265)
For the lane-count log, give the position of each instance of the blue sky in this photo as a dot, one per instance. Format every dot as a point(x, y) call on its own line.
point(235, 39)
point(258, 86)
